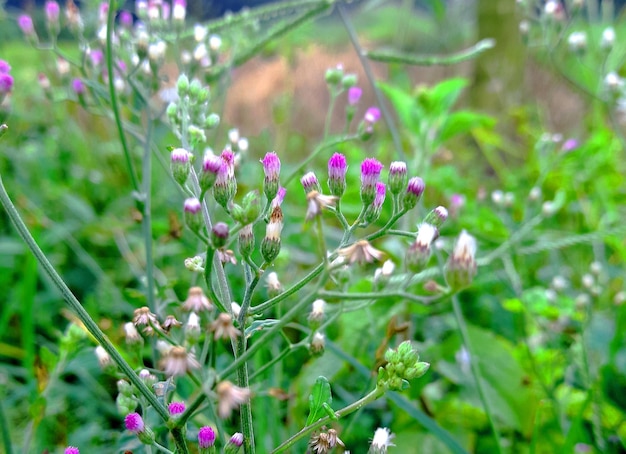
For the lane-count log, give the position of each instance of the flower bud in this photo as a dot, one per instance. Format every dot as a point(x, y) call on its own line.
point(354, 95)
point(397, 177)
point(134, 423)
point(219, 235)
point(334, 75)
point(370, 174)
point(274, 287)
point(349, 80)
point(176, 409)
point(316, 317)
point(234, 444)
point(418, 254)
point(608, 38)
point(210, 169)
point(372, 212)
point(250, 209)
point(461, 267)
point(225, 185)
point(180, 165)
point(192, 213)
point(125, 404)
point(436, 217)
point(182, 85)
point(337, 169)
point(271, 168)
point(577, 42)
point(318, 344)
point(270, 246)
point(310, 183)
point(246, 241)
point(206, 439)
point(212, 121)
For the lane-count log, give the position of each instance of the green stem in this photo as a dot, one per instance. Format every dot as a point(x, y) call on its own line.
point(371, 397)
point(75, 305)
point(113, 94)
point(6, 436)
point(245, 409)
point(373, 296)
point(387, 226)
point(458, 314)
point(395, 135)
point(431, 60)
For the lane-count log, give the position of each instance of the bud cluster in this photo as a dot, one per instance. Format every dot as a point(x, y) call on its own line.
point(402, 365)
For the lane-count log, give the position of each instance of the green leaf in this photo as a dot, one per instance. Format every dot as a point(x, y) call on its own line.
point(259, 325)
point(319, 399)
point(461, 122)
point(403, 103)
point(514, 305)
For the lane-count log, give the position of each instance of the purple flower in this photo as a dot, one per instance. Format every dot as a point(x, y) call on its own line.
point(192, 205)
point(96, 56)
point(354, 95)
point(370, 174)
point(397, 177)
point(271, 166)
point(78, 86)
point(310, 183)
point(372, 115)
point(337, 169)
point(52, 11)
point(569, 145)
point(379, 199)
point(236, 439)
point(212, 164)
point(126, 19)
point(414, 191)
point(71, 450)
point(134, 423)
point(4, 67)
point(206, 437)
point(280, 196)
point(25, 22)
point(6, 83)
point(176, 408)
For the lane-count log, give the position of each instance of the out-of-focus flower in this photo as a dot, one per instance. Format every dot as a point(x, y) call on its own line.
point(230, 397)
point(360, 252)
point(381, 441)
point(461, 267)
point(178, 362)
point(223, 327)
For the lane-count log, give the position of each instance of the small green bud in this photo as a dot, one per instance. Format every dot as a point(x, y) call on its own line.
point(246, 241)
point(333, 76)
point(182, 85)
point(125, 404)
point(195, 88)
point(349, 80)
point(219, 235)
point(212, 121)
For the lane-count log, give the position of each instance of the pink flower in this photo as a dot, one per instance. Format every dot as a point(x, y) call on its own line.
point(206, 437)
point(71, 450)
point(134, 423)
point(354, 95)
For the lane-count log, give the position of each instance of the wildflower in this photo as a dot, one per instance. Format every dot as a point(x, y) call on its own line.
point(457, 201)
point(337, 169)
point(215, 43)
point(176, 409)
point(381, 275)
point(25, 23)
point(569, 145)
point(178, 361)
point(143, 316)
point(131, 333)
point(402, 365)
point(225, 184)
point(126, 19)
point(246, 240)
point(271, 168)
point(210, 169)
point(419, 252)
point(223, 327)
point(608, 38)
point(270, 246)
point(192, 214)
point(372, 212)
point(461, 267)
point(233, 445)
point(78, 86)
point(104, 359)
point(226, 256)
point(577, 42)
point(197, 301)
point(317, 201)
point(324, 442)
point(170, 321)
point(230, 397)
point(317, 313)
point(370, 174)
point(52, 11)
point(134, 423)
point(334, 75)
point(372, 115)
point(360, 252)
point(192, 329)
point(5, 68)
point(195, 264)
point(274, 287)
point(180, 164)
point(310, 183)
point(381, 441)
point(6, 84)
point(318, 344)
point(156, 52)
point(219, 235)
point(235, 309)
point(397, 177)
point(354, 95)
point(206, 439)
point(436, 217)
point(71, 450)
point(280, 197)
point(179, 11)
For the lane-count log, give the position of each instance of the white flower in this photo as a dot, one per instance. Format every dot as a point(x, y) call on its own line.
point(426, 234)
point(103, 357)
point(381, 441)
point(131, 333)
point(199, 32)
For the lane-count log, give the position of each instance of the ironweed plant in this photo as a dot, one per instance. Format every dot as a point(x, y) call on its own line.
point(277, 265)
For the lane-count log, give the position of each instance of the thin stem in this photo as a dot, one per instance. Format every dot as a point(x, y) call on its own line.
point(373, 296)
point(245, 409)
point(371, 397)
point(458, 314)
point(4, 429)
point(75, 305)
point(395, 136)
point(113, 94)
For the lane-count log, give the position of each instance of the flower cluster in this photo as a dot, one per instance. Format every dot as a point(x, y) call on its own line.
point(402, 365)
